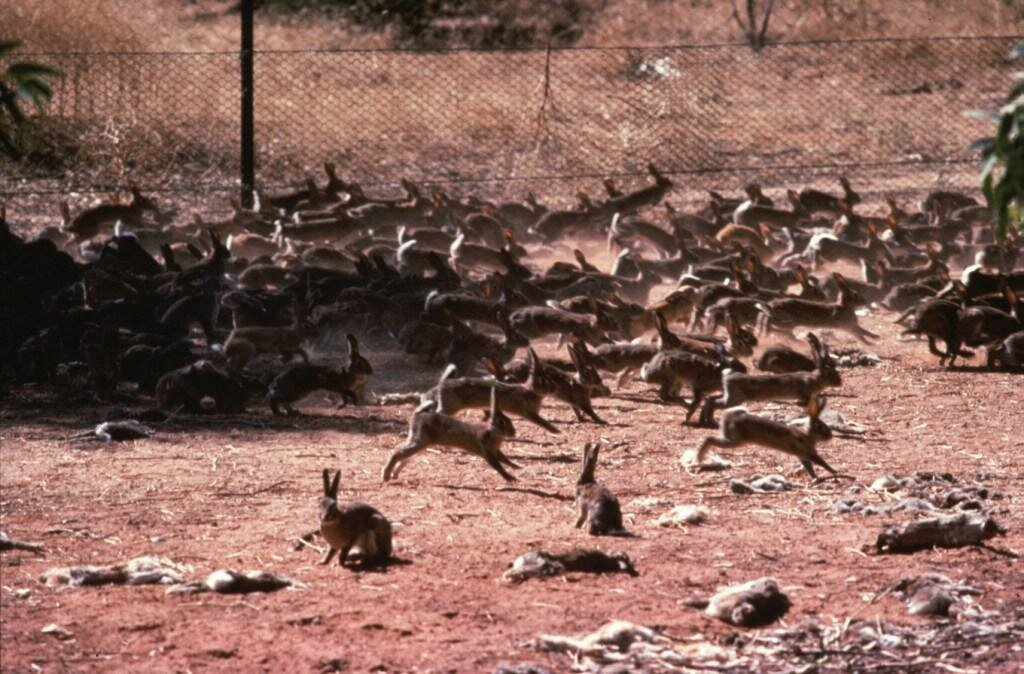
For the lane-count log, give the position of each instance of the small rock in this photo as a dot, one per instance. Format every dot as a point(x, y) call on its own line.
point(332, 665)
point(53, 629)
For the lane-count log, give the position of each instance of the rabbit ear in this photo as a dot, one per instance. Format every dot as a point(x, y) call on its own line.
point(659, 321)
point(815, 343)
point(334, 484)
point(491, 366)
point(730, 324)
point(816, 406)
point(531, 368)
point(353, 345)
point(327, 483)
point(574, 356)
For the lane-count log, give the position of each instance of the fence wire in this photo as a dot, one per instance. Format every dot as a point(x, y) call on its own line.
point(497, 118)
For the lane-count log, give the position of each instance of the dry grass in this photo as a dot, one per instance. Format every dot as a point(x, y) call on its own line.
point(75, 25)
point(710, 21)
point(206, 25)
point(171, 120)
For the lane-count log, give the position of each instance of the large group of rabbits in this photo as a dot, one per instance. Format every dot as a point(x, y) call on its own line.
point(215, 316)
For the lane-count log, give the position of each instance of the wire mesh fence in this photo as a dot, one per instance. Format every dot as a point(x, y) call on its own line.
point(506, 120)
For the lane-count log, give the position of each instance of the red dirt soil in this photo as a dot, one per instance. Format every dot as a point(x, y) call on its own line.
point(217, 492)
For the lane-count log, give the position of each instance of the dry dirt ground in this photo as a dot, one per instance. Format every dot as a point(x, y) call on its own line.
point(220, 492)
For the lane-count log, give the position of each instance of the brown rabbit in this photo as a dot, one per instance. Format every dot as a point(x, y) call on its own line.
point(597, 505)
point(92, 221)
point(245, 342)
point(782, 359)
point(352, 525)
point(299, 381)
point(453, 395)
point(740, 387)
point(187, 388)
point(816, 201)
point(739, 427)
point(551, 381)
point(430, 428)
point(788, 313)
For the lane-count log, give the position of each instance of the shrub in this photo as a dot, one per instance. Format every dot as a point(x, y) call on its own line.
point(1002, 156)
point(435, 24)
point(21, 82)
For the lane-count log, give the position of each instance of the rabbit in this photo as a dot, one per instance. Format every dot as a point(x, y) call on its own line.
point(453, 395)
point(428, 428)
point(937, 318)
point(625, 359)
point(752, 215)
point(352, 525)
point(464, 306)
point(468, 345)
point(787, 313)
point(265, 339)
point(628, 232)
point(187, 389)
point(782, 359)
point(549, 380)
point(465, 256)
point(536, 322)
point(647, 196)
point(670, 369)
point(816, 201)
point(739, 427)
point(299, 381)
point(597, 505)
point(1009, 354)
point(739, 387)
point(92, 221)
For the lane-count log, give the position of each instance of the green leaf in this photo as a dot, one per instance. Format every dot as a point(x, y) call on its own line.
point(1016, 91)
point(40, 92)
point(10, 104)
point(7, 46)
point(982, 145)
point(987, 167)
point(25, 69)
point(986, 189)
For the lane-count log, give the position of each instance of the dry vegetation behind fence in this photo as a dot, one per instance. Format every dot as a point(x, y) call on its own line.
point(171, 119)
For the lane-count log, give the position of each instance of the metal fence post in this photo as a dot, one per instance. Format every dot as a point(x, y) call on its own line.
point(248, 142)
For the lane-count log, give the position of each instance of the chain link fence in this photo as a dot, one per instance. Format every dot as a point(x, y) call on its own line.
point(504, 122)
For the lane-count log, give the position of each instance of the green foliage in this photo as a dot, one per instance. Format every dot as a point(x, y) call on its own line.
point(1002, 155)
point(21, 83)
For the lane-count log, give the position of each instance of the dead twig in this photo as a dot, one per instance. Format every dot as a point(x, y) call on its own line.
point(250, 493)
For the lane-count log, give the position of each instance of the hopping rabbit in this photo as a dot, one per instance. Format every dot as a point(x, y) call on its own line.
point(739, 427)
